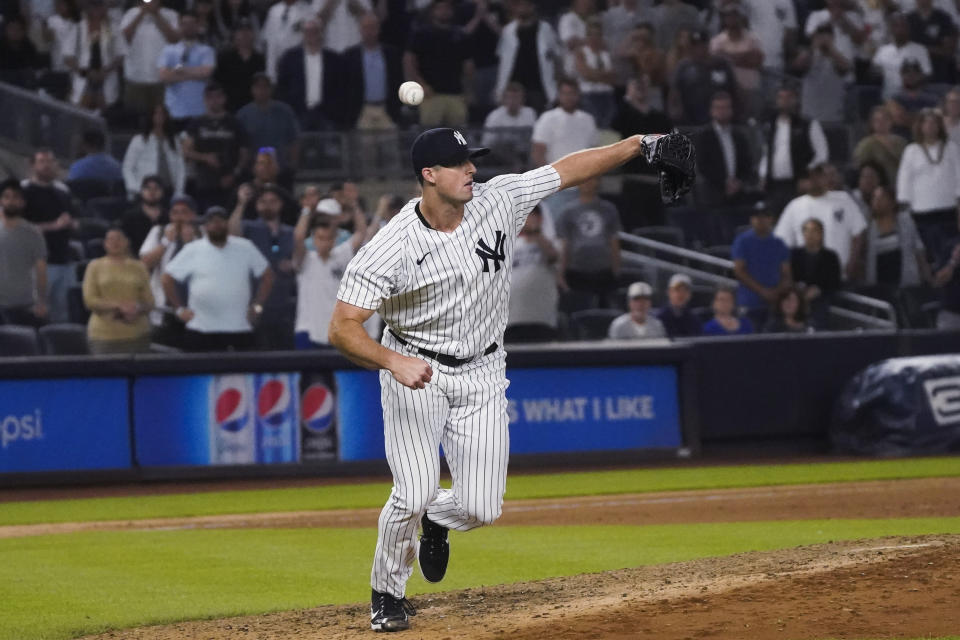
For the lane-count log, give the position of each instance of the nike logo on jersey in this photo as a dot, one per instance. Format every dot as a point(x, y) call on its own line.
point(496, 254)
point(420, 261)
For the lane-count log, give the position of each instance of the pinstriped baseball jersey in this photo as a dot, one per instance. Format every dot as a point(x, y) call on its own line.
point(448, 292)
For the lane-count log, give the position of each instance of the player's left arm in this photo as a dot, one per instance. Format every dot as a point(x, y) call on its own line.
point(579, 166)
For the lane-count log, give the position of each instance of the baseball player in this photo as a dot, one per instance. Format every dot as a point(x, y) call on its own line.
point(439, 274)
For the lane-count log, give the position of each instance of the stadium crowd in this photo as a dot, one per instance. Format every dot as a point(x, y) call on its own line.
point(205, 236)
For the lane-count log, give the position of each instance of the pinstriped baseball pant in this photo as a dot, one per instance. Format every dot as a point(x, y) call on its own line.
point(465, 410)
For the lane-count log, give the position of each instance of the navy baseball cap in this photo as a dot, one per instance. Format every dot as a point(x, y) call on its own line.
point(184, 199)
point(215, 212)
point(443, 146)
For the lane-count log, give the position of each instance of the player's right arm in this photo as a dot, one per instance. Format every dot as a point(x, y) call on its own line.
point(347, 334)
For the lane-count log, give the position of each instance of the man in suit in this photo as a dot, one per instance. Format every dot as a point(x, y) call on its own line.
point(310, 80)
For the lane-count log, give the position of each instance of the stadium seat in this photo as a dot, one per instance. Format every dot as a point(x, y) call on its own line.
point(17, 340)
point(702, 314)
point(571, 301)
point(76, 310)
point(89, 188)
point(838, 141)
point(592, 324)
point(666, 234)
point(94, 248)
point(64, 340)
point(109, 208)
point(701, 295)
point(81, 269)
point(90, 228)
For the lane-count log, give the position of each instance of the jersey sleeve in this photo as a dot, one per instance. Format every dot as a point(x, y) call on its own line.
point(374, 274)
point(525, 190)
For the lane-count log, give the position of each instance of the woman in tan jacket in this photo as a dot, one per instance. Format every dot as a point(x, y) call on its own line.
point(116, 289)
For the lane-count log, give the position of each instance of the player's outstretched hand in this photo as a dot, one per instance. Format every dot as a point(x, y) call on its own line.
point(412, 372)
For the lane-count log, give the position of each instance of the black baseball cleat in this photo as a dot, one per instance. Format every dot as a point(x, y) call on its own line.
point(388, 613)
point(434, 551)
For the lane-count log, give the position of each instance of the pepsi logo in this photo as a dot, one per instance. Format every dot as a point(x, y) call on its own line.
point(317, 405)
point(231, 410)
point(273, 400)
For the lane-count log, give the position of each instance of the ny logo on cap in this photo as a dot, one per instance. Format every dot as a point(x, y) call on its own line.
point(459, 137)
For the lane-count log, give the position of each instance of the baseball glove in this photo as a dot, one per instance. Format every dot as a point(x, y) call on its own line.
point(674, 158)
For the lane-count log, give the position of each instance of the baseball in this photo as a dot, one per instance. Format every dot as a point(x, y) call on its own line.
point(411, 93)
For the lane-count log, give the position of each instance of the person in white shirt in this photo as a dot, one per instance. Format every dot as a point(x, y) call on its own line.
point(564, 129)
point(342, 22)
point(507, 128)
point(621, 18)
point(156, 150)
point(742, 49)
point(95, 82)
point(638, 322)
point(848, 29)
point(775, 23)
point(928, 182)
point(147, 29)
point(220, 311)
point(572, 29)
point(319, 270)
point(537, 68)
point(843, 223)
point(533, 299)
point(594, 70)
point(58, 29)
point(951, 114)
point(890, 57)
point(283, 29)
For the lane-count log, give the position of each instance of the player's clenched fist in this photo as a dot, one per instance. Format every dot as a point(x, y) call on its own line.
point(411, 372)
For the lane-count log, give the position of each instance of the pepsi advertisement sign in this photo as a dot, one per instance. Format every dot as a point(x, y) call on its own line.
point(550, 410)
point(64, 425)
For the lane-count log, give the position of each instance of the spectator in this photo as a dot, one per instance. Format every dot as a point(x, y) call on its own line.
point(236, 15)
point(148, 212)
point(439, 58)
point(388, 207)
point(309, 199)
point(951, 114)
point(398, 17)
point(116, 290)
point(147, 28)
point(219, 313)
point(670, 17)
point(164, 241)
point(895, 255)
point(508, 128)
point(890, 57)
point(816, 270)
point(572, 31)
point(563, 129)
point(533, 299)
point(284, 29)
point(58, 29)
point(881, 146)
point(696, 79)
point(156, 150)
point(849, 31)
point(742, 49)
point(637, 323)
point(676, 317)
point(94, 52)
point(185, 67)
point(725, 320)
point(947, 277)
point(869, 178)
point(619, 24)
point(49, 207)
point(483, 22)
point(789, 314)
point(638, 57)
point(842, 221)
point(529, 54)
point(318, 275)
point(23, 269)
point(308, 81)
point(726, 171)
point(794, 144)
point(217, 145)
point(377, 70)
point(935, 30)
point(96, 163)
point(825, 74)
point(775, 23)
point(208, 29)
point(928, 182)
point(19, 59)
point(270, 123)
point(239, 65)
point(594, 69)
point(266, 172)
point(275, 241)
point(681, 50)
point(341, 22)
point(590, 246)
point(761, 262)
point(913, 95)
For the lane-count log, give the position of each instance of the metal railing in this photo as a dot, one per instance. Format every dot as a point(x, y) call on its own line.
point(34, 120)
point(661, 260)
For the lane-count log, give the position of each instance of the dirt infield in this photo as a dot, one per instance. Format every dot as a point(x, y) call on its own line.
point(890, 588)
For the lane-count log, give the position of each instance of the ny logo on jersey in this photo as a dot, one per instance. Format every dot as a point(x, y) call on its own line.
point(496, 254)
point(459, 137)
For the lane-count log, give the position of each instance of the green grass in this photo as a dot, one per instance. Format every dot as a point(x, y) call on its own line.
point(518, 487)
point(62, 586)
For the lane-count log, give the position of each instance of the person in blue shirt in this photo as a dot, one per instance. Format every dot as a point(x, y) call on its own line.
point(725, 320)
point(761, 262)
point(96, 164)
point(185, 67)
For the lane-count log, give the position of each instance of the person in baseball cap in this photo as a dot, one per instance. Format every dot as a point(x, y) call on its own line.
point(637, 323)
point(676, 316)
point(442, 147)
